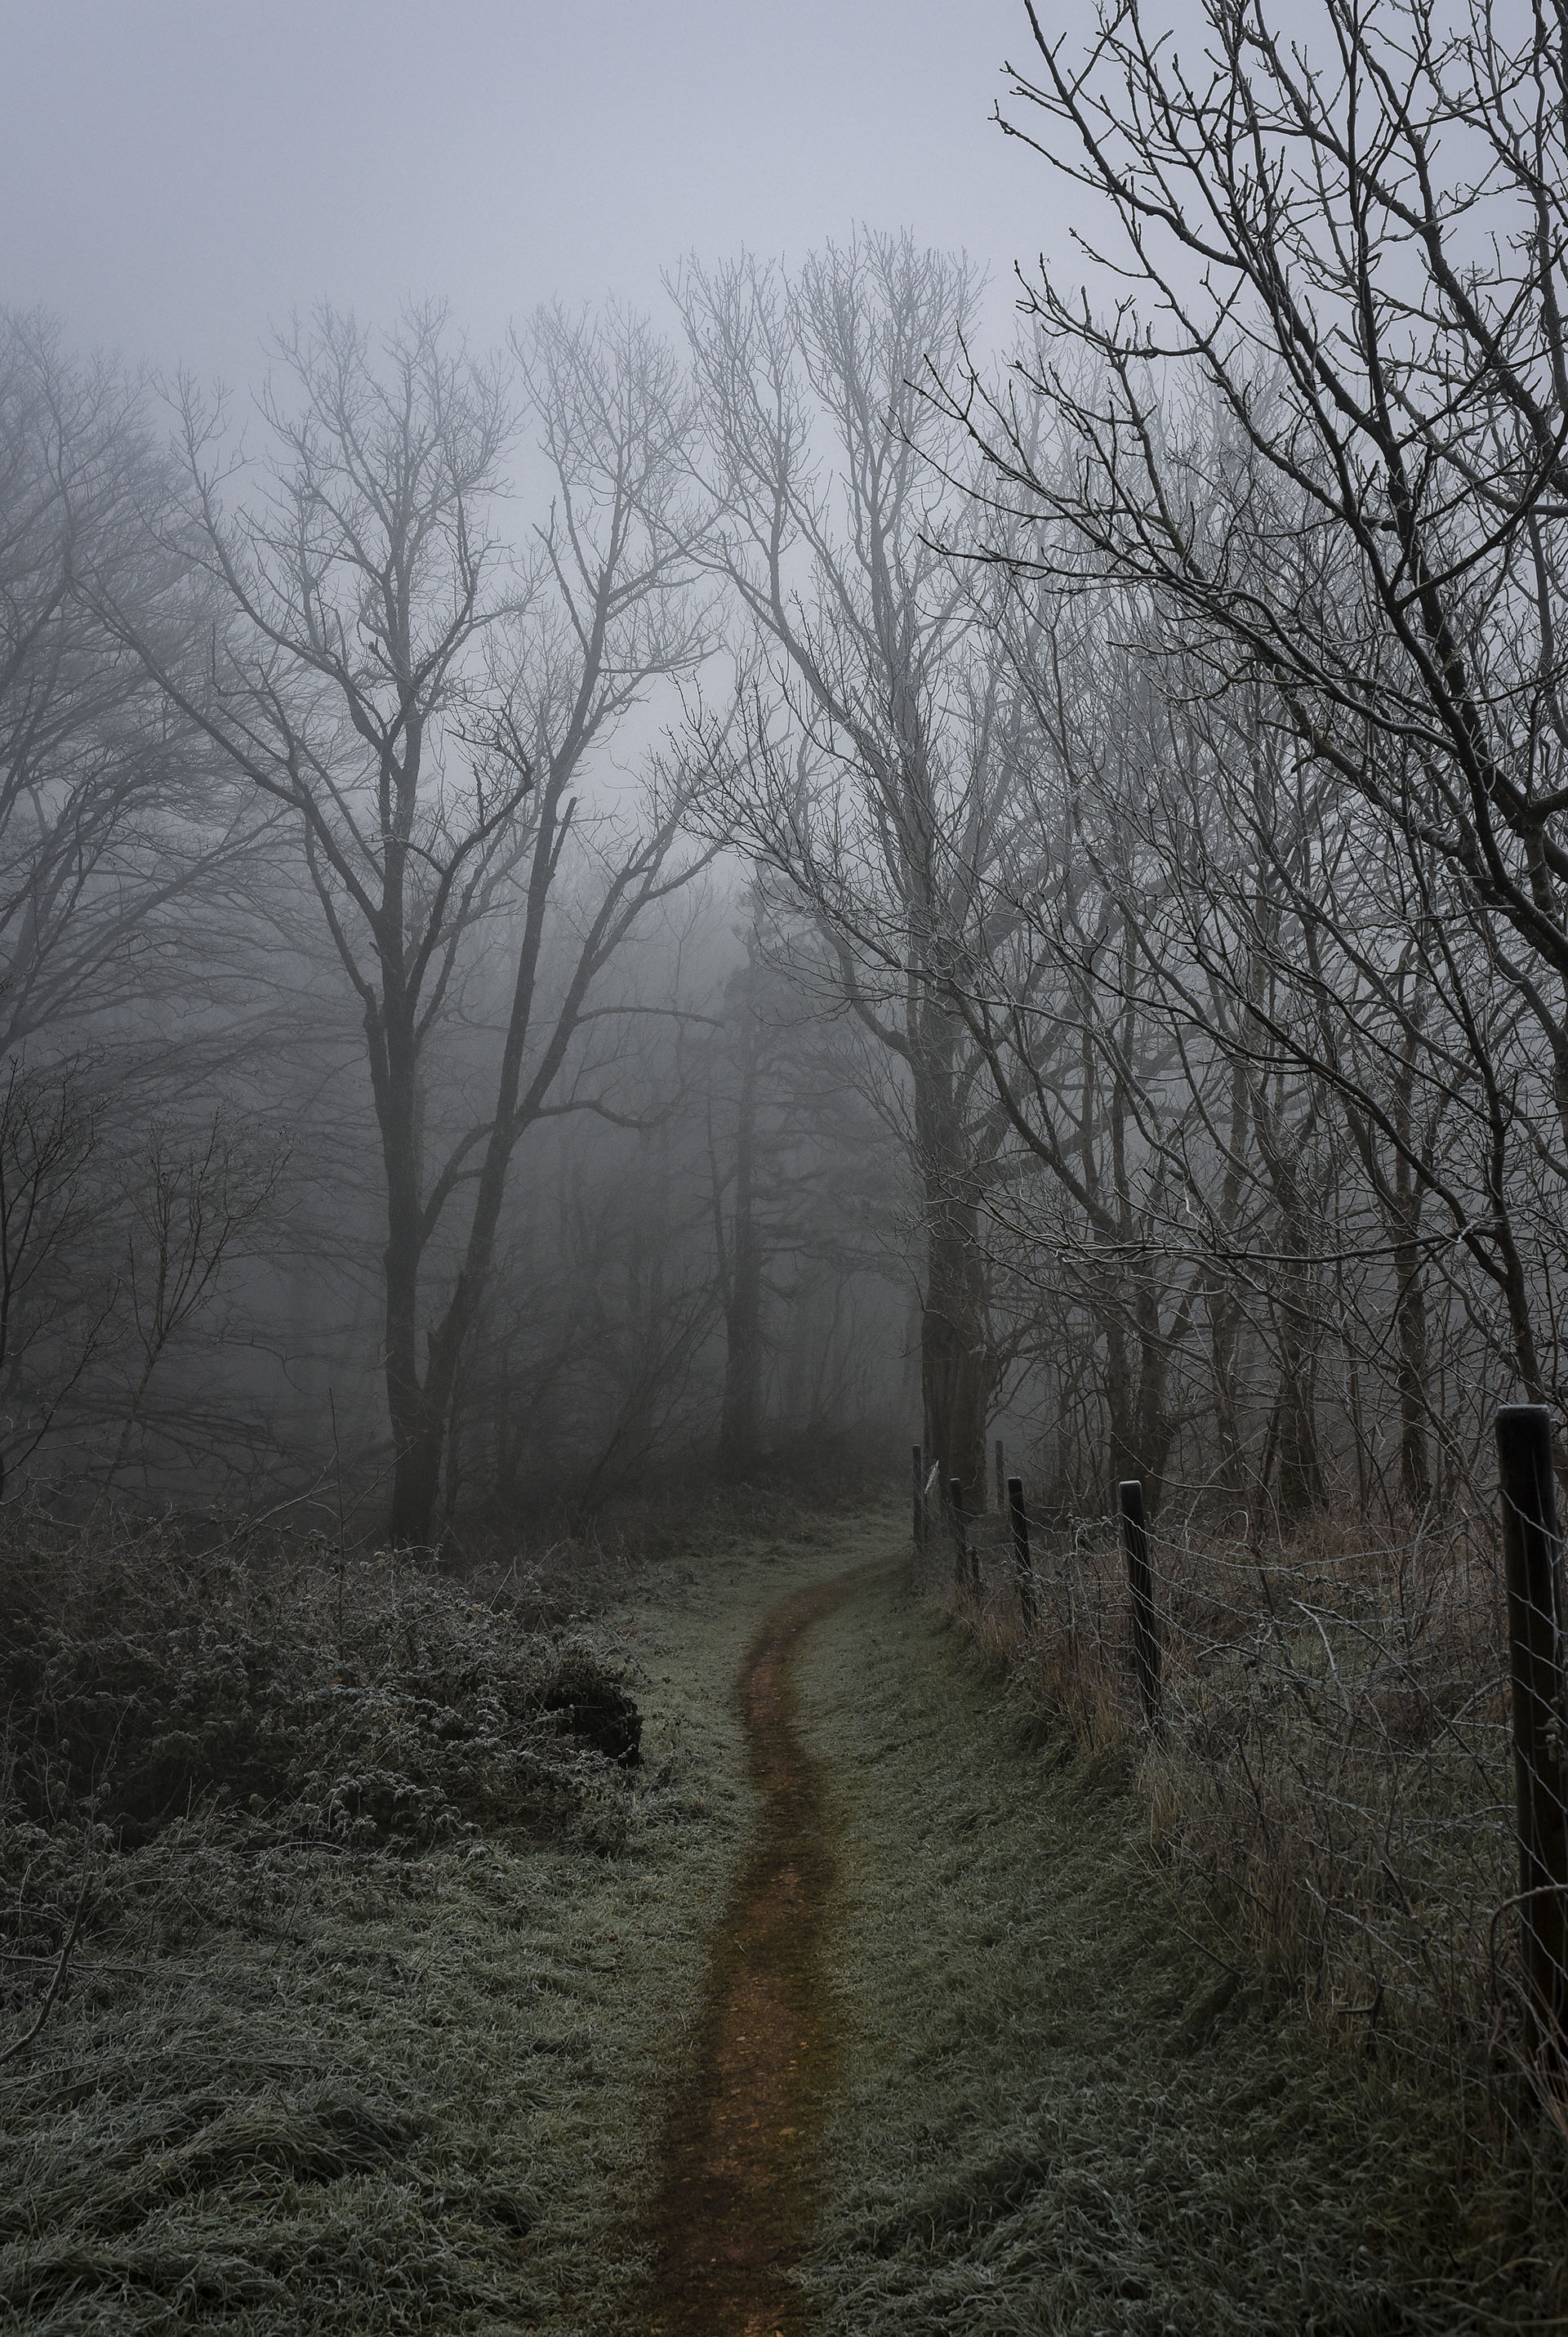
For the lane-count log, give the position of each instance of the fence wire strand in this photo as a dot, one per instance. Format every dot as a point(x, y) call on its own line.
point(1332, 1759)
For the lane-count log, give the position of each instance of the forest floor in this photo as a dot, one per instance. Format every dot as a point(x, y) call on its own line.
point(879, 2017)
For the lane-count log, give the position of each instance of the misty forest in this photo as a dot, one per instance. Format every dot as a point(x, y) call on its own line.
point(784, 1257)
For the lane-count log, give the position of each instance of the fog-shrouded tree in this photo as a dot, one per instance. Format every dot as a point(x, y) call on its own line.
point(1348, 226)
point(1318, 947)
point(131, 866)
point(196, 1197)
point(740, 1241)
point(117, 836)
point(1282, 1092)
point(866, 763)
point(810, 1211)
point(422, 702)
point(1049, 985)
point(53, 1305)
point(1302, 469)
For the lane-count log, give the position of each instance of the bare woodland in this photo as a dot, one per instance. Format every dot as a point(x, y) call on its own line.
point(661, 901)
point(599, 936)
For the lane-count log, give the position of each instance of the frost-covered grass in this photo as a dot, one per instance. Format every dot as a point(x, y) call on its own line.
point(305, 2082)
point(1055, 2112)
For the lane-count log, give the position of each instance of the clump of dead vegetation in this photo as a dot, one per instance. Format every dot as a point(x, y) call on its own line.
point(1058, 2111)
point(1329, 1765)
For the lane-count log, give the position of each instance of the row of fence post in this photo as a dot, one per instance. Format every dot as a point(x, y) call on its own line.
point(1531, 1562)
point(1010, 1505)
point(966, 1554)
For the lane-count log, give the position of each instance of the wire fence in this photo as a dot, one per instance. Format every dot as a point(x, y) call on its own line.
point(1327, 1732)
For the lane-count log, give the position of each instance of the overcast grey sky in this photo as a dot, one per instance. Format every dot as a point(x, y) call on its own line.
point(176, 174)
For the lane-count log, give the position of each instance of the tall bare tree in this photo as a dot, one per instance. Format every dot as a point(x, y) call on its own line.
point(868, 766)
point(1351, 229)
point(423, 705)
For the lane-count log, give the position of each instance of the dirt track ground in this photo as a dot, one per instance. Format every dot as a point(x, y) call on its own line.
point(505, 2087)
point(970, 2068)
point(739, 2192)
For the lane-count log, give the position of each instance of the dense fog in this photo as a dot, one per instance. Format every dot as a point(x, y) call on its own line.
point(391, 1032)
point(757, 885)
point(616, 913)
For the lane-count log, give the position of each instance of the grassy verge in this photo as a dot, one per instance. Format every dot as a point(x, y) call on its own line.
point(1055, 2112)
point(320, 2083)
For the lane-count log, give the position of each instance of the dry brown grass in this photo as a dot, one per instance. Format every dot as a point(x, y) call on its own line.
point(1331, 1770)
point(1057, 2112)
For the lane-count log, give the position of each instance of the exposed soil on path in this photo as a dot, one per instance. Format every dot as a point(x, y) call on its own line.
point(737, 2205)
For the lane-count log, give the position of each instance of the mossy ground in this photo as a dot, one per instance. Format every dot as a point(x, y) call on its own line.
point(350, 2091)
point(1043, 2122)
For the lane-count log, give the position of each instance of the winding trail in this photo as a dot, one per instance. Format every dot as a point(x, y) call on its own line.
point(737, 2202)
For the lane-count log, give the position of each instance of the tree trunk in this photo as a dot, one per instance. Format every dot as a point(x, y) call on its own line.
point(1294, 1304)
point(740, 1420)
point(1300, 1482)
point(416, 1439)
point(954, 1376)
point(955, 1363)
point(1229, 1476)
point(416, 1480)
point(1122, 1458)
point(419, 1427)
point(1410, 1313)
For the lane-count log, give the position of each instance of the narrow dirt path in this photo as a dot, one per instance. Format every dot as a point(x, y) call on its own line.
point(736, 2204)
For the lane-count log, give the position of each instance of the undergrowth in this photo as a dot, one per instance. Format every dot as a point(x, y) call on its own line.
point(1329, 1781)
point(370, 1699)
point(390, 1947)
point(1059, 2109)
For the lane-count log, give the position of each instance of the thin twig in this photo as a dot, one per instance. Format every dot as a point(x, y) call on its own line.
point(52, 1992)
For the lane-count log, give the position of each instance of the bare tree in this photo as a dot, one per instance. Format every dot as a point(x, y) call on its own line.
point(423, 708)
point(1353, 233)
point(867, 765)
point(115, 841)
point(1263, 1054)
point(195, 1202)
point(739, 1240)
point(54, 1302)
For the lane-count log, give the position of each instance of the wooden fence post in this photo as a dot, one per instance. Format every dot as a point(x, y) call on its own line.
point(1530, 1562)
point(961, 1551)
point(1001, 1480)
point(920, 1518)
point(1140, 1582)
point(1022, 1562)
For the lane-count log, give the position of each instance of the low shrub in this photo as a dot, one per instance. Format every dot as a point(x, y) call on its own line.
point(372, 1700)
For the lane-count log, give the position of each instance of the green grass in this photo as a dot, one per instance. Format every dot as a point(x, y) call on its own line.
point(304, 2088)
point(1045, 2122)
